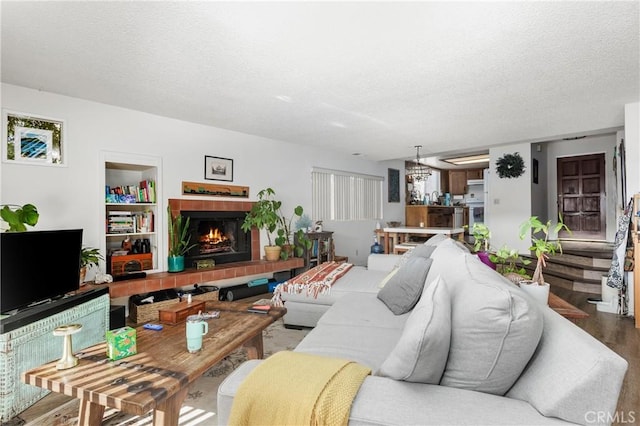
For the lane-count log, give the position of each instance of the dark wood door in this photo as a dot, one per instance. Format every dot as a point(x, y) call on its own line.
point(581, 196)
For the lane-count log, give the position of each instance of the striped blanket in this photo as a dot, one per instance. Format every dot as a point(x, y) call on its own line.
point(315, 281)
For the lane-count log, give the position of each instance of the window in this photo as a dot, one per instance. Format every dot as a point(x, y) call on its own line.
point(342, 196)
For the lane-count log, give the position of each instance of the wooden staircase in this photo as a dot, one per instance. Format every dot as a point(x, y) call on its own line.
point(580, 267)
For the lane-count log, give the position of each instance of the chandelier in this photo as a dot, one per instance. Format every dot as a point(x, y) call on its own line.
point(416, 170)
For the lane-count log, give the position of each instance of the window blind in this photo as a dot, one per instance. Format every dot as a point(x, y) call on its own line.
point(341, 196)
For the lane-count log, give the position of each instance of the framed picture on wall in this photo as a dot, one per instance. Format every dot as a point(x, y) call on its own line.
point(32, 139)
point(218, 168)
point(393, 185)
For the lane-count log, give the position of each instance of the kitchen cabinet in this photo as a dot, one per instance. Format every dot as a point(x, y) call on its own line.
point(429, 216)
point(474, 174)
point(457, 182)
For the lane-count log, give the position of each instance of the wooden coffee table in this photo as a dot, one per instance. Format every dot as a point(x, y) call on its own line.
point(156, 378)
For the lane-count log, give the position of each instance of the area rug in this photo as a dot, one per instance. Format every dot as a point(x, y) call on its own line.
point(200, 406)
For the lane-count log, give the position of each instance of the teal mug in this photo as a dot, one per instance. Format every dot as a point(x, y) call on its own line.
point(196, 328)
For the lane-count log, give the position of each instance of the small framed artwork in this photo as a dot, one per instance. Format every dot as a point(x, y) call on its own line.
point(394, 185)
point(217, 168)
point(31, 139)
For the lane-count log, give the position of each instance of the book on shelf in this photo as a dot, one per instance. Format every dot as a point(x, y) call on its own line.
point(144, 192)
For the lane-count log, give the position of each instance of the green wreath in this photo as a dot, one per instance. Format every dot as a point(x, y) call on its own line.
point(510, 166)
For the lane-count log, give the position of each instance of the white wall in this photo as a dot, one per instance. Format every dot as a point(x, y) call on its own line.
point(591, 145)
point(65, 196)
point(509, 202)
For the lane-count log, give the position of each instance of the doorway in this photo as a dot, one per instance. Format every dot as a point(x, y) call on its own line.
point(581, 196)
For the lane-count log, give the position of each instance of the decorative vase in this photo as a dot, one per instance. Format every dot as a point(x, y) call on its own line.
point(176, 263)
point(484, 258)
point(536, 291)
point(83, 274)
point(272, 253)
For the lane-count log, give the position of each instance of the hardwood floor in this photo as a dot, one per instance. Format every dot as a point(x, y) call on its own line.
point(620, 335)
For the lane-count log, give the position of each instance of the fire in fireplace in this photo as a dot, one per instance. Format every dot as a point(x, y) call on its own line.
point(217, 235)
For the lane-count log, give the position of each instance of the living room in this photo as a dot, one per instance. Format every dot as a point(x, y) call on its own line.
point(179, 132)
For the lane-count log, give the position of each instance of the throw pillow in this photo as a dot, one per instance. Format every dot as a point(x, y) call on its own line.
point(387, 278)
point(419, 250)
point(421, 353)
point(495, 328)
point(404, 288)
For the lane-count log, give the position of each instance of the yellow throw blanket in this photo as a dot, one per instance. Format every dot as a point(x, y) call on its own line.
point(292, 388)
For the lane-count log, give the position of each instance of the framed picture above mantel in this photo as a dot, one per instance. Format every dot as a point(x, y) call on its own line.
point(218, 168)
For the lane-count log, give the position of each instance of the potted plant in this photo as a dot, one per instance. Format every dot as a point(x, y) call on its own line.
point(509, 263)
point(179, 240)
point(17, 217)
point(264, 214)
point(481, 236)
point(543, 248)
point(299, 243)
point(89, 256)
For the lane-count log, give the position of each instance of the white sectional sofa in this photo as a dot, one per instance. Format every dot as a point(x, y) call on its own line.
point(474, 349)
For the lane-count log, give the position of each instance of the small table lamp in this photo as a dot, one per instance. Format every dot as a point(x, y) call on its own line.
point(68, 360)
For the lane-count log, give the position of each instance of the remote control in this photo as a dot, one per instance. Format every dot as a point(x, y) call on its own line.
point(156, 327)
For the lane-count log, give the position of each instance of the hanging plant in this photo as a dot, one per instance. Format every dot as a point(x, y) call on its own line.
point(510, 166)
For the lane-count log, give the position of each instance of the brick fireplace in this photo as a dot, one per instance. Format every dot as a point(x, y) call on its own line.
point(180, 205)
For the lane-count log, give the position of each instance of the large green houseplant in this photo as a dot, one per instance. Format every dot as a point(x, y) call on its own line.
point(179, 239)
point(264, 214)
point(18, 217)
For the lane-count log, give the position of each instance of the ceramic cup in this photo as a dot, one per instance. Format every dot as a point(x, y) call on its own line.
point(196, 328)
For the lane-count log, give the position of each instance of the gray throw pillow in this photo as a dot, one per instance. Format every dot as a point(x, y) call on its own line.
point(403, 290)
point(419, 250)
point(495, 328)
point(421, 353)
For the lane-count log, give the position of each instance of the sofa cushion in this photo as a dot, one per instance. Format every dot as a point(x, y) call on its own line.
point(421, 353)
point(421, 250)
point(403, 290)
point(495, 327)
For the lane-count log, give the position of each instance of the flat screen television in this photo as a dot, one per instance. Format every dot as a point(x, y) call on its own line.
point(36, 266)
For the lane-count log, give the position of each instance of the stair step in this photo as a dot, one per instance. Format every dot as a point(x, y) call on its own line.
point(584, 285)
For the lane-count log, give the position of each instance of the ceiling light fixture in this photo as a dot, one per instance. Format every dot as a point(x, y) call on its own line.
point(469, 159)
point(416, 169)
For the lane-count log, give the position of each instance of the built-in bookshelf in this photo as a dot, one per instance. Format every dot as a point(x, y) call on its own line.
point(132, 214)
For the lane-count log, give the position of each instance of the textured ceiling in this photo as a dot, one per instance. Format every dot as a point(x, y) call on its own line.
point(370, 77)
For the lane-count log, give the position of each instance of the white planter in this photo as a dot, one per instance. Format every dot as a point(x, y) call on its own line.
point(537, 292)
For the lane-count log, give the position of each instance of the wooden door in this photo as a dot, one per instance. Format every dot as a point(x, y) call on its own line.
point(581, 196)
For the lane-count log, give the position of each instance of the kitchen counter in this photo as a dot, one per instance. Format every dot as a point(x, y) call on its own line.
point(434, 216)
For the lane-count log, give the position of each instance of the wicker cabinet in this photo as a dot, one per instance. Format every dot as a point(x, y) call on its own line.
point(33, 344)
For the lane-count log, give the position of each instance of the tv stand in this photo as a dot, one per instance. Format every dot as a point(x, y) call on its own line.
point(46, 308)
point(27, 341)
